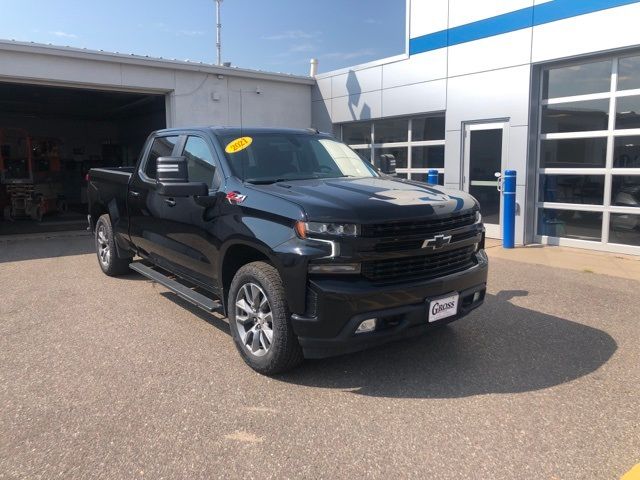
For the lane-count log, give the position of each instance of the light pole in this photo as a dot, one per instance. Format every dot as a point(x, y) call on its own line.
point(218, 32)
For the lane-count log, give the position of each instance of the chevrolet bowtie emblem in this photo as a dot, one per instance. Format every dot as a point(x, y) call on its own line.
point(436, 242)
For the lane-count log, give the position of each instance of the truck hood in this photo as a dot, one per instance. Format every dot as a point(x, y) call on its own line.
point(369, 200)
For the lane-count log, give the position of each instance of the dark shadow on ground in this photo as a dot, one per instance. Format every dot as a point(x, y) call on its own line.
point(215, 319)
point(499, 348)
point(30, 249)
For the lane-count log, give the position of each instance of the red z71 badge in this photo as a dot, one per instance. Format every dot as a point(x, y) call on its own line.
point(235, 197)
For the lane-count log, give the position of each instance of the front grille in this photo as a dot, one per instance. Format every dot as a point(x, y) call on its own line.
point(423, 267)
point(400, 245)
point(419, 227)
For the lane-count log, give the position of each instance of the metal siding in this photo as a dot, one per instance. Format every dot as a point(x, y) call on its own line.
point(452, 158)
point(322, 89)
point(595, 32)
point(489, 95)
point(355, 81)
point(500, 51)
point(428, 17)
point(462, 12)
point(417, 68)
point(416, 98)
point(357, 107)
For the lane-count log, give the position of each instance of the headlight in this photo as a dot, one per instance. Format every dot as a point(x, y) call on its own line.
point(478, 216)
point(306, 229)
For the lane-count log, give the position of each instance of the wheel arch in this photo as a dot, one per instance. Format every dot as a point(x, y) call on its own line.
point(234, 256)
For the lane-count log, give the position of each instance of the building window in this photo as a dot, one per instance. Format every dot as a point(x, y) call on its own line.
point(416, 142)
point(589, 153)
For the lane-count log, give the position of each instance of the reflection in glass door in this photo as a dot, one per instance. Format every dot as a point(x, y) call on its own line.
point(484, 151)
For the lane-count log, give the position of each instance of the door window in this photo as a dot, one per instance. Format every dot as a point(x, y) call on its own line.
point(161, 147)
point(200, 163)
point(485, 159)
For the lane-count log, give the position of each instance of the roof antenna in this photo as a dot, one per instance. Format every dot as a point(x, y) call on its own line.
point(218, 31)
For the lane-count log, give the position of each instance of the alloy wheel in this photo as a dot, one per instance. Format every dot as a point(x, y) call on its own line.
point(254, 319)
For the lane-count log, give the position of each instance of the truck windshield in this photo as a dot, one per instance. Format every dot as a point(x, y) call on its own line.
point(273, 157)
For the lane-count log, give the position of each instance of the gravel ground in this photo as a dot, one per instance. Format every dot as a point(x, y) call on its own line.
point(117, 378)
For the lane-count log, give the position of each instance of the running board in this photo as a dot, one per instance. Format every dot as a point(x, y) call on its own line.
point(179, 289)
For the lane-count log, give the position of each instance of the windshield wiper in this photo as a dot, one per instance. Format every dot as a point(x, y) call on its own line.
point(267, 181)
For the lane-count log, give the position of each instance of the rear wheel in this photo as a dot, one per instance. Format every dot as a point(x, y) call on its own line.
point(106, 249)
point(259, 320)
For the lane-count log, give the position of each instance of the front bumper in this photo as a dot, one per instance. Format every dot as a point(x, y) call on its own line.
point(336, 307)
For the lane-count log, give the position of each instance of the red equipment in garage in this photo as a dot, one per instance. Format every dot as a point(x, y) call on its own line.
point(30, 175)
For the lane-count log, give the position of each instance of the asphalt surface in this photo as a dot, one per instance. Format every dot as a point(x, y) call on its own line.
point(117, 378)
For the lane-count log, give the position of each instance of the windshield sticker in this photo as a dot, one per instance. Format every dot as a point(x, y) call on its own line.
point(234, 146)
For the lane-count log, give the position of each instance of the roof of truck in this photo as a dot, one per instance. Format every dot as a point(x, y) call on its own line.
point(241, 131)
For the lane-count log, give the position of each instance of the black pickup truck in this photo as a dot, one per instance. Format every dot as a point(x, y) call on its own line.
point(307, 248)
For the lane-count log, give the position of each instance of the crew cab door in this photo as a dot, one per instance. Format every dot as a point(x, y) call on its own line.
point(144, 204)
point(188, 225)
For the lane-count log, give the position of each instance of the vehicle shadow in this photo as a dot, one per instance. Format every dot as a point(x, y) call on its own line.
point(32, 249)
point(215, 319)
point(498, 348)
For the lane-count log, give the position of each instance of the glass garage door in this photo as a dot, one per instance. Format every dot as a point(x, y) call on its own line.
point(588, 191)
point(417, 142)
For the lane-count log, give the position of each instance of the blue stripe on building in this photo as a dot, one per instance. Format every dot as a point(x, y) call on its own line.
point(511, 22)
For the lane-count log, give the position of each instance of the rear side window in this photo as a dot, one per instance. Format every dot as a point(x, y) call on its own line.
point(200, 163)
point(161, 147)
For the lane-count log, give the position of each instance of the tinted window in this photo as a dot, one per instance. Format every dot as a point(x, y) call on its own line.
point(625, 191)
point(161, 147)
point(399, 153)
point(427, 157)
point(570, 224)
point(427, 128)
point(625, 228)
point(395, 130)
point(629, 73)
point(626, 153)
point(628, 112)
point(200, 163)
point(574, 153)
point(585, 189)
point(577, 80)
point(356, 133)
point(576, 116)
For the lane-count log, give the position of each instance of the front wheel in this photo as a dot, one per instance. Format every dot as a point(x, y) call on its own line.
point(108, 258)
point(259, 320)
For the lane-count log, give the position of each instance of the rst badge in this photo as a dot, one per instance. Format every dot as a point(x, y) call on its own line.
point(437, 242)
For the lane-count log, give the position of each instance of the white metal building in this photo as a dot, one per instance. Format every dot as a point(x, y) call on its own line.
point(549, 88)
point(77, 109)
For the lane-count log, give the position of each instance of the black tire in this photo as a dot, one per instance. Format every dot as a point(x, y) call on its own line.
point(284, 352)
point(106, 251)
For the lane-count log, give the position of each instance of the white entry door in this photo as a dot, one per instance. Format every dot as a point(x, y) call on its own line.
point(485, 150)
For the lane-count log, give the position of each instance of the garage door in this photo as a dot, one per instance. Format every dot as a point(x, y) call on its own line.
point(51, 136)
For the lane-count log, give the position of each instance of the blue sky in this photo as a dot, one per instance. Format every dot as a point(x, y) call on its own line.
point(274, 35)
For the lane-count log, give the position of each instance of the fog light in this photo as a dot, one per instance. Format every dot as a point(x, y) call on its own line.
point(368, 325)
point(476, 297)
point(328, 268)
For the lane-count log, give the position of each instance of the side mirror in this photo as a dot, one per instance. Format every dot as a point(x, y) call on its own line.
point(386, 163)
point(172, 179)
point(172, 169)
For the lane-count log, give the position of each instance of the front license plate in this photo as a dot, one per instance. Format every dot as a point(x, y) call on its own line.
point(443, 307)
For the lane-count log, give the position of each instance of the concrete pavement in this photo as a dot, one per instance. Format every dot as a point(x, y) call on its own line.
point(117, 378)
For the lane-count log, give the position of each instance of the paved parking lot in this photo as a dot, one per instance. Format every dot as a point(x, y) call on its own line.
point(117, 378)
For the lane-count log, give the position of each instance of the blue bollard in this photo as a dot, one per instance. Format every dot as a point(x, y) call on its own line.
point(432, 177)
point(509, 209)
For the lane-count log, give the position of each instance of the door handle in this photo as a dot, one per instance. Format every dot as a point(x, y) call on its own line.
point(133, 193)
point(170, 201)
